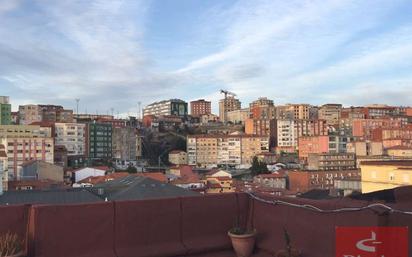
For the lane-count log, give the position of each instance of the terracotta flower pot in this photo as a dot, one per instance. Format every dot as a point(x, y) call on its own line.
point(243, 244)
point(283, 253)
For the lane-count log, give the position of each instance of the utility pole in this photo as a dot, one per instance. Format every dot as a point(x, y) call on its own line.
point(139, 110)
point(77, 107)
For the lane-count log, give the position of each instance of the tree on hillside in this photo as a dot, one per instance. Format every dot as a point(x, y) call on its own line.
point(131, 169)
point(258, 167)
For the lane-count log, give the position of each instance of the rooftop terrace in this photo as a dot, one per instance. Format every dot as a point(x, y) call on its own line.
point(194, 225)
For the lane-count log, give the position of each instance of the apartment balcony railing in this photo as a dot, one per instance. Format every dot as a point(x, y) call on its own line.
point(190, 226)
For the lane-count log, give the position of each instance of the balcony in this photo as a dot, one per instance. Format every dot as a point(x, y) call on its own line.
point(190, 226)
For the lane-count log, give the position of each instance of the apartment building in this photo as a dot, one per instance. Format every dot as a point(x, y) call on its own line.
point(175, 107)
point(331, 113)
point(178, 157)
point(338, 143)
point(261, 101)
point(4, 174)
point(289, 131)
point(380, 175)
point(212, 150)
point(312, 145)
point(331, 161)
point(5, 110)
point(230, 103)
point(25, 143)
point(262, 127)
point(297, 112)
point(400, 151)
point(124, 143)
point(378, 110)
point(263, 108)
point(238, 116)
point(365, 148)
point(98, 141)
point(72, 137)
point(305, 180)
point(363, 127)
point(287, 134)
point(200, 107)
point(380, 134)
point(31, 113)
point(206, 118)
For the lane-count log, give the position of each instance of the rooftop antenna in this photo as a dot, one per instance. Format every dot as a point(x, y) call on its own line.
point(112, 109)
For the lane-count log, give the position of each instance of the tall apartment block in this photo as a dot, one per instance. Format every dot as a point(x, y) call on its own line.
point(175, 107)
point(98, 141)
point(5, 111)
point(212, 150)
point(43, 113)
point(289, 130)
point(226, 105)
point(25, 143)
point(262, 108)
point(72, 136)
point(200, 107)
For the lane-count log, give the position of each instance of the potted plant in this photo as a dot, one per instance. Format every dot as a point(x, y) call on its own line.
point(289, 251)
point(11, 245)
point(243, 240)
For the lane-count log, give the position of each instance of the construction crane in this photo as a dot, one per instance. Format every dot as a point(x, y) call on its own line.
point(226, 93)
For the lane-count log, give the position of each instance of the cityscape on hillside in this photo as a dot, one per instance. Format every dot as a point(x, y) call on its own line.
point(205, 128)
point(284, 150)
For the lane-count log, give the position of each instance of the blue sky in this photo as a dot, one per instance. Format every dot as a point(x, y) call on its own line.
point(113, 54)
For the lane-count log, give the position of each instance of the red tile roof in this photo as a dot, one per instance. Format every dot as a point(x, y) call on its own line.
point(101, 179)
point(278, 174)
point(159, 176)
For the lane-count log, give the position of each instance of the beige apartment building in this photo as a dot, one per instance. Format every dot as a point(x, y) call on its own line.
point(238, 116)
point(48, 113)
point(331, 113)
point(235, 150)
point(178, 157)
point(4, 177)
point(25, 143)
point(71, 136)
point(296, 111)
point(227, 105)
point(365, 148)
